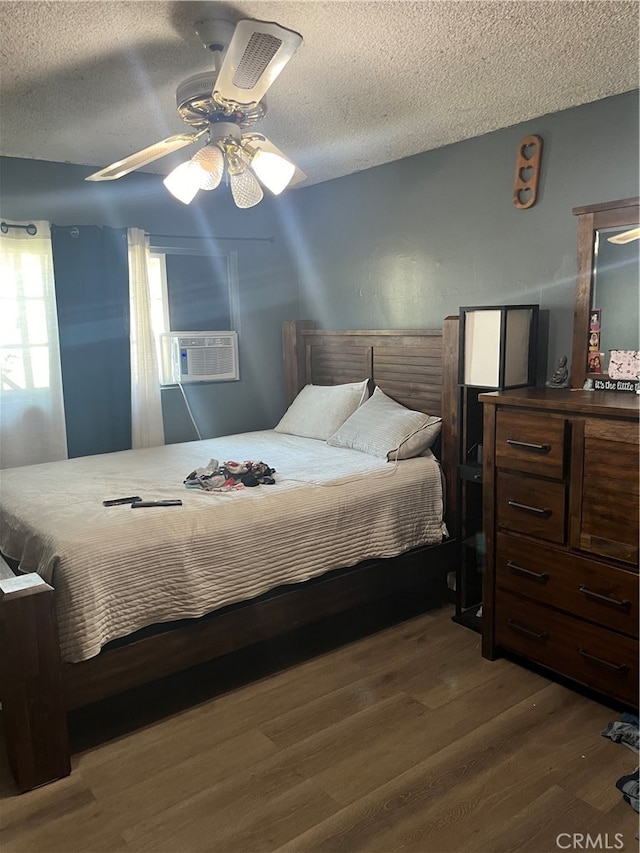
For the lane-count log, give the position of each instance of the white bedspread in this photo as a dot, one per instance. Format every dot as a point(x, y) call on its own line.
point(117, 569)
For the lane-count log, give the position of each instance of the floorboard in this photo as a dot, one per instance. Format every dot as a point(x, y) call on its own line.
point(403, 740)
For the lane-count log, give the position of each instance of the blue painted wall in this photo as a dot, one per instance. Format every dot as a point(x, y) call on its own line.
point(406, 244)
point(268, 293)
point(401, 245)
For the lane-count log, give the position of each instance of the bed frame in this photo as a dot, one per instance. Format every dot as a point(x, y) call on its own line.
point(418, 368)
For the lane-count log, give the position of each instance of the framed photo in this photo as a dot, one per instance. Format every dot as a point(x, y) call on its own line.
point(594, 320)
point(594, 364)
point(594, 340)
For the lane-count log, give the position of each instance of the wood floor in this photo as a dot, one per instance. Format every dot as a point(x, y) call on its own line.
point(406, 740)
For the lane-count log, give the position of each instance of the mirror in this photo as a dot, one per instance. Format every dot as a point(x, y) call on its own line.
point(606, 309)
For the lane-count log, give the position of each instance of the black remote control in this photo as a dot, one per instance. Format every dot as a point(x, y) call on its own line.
point(137, 504)
point(119, 501)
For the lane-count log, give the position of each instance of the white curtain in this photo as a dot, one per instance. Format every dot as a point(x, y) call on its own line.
point(146, 405)
point(32, 424)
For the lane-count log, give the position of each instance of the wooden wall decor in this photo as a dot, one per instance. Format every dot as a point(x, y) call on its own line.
point(528, 162)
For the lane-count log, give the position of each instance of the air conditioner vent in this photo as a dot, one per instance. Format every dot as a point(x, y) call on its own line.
point(199, 357)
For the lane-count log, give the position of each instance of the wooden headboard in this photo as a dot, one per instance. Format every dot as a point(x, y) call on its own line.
point(416, 367)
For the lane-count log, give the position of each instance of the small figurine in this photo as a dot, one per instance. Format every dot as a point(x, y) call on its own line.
point(560, 378)
point(588, 384)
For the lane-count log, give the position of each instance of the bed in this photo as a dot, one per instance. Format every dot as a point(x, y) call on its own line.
point(107, 598)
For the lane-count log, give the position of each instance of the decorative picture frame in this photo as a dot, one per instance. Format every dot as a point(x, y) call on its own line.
point(595, 362)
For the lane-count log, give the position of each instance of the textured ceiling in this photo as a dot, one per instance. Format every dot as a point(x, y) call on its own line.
point(90, 82)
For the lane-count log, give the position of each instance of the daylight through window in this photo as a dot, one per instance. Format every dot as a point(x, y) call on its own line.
point(24, 332)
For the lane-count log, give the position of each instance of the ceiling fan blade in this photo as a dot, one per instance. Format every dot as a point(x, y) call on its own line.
point(257, 53)
point(257, 140)
point(147, 155)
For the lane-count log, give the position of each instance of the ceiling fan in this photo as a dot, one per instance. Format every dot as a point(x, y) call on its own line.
point(222, 106)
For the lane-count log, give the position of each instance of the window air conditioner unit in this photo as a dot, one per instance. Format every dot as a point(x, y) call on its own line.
point(199, 357)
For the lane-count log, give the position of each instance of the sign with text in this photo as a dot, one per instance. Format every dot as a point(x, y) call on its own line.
point(616, 385)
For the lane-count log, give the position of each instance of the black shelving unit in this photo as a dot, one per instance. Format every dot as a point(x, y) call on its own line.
point(470, 562)
point(498, 345)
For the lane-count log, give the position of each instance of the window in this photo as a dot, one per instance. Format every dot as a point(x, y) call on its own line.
point(191, 290)
point(32, 421)
point(24, 327)
point(158, 296)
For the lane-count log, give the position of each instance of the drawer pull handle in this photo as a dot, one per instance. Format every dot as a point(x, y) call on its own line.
point(525, 445)
point(535, 509)
point(616, 667)
point(604, 598)
point(542, 635)
point(543, 577)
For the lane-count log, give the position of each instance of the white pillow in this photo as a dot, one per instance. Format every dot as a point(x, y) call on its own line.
point(382, 427)
point(319, 410)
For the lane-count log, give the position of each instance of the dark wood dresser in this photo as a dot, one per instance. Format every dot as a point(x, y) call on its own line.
point(561, 526)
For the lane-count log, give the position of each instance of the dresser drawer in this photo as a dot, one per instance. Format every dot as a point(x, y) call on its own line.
point(586, 653)
point(590, 590)
point(532, 442)
point(606, 522)
point(531, 506)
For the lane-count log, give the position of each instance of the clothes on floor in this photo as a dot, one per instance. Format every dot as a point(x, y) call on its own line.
point(630, 787)
point(624, 731)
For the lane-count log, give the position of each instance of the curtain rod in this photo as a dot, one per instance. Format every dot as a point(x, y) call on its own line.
point(30, 228)
point(204, 239)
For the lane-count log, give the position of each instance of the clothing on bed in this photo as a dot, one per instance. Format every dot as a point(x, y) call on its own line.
point(116, 571)
point(216, 477)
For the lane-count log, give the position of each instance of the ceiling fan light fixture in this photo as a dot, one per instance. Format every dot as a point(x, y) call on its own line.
point(210, 163)
point(184, 181)
point(247, 57)
point(210, 158)
point(245, 189)
point(625, 237)
point(274, 171)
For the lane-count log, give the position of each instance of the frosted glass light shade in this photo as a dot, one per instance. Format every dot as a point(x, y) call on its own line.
point(274, 171)
point(245, 189)
point(184, 182)
point(210, 161)
point(498, 346)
